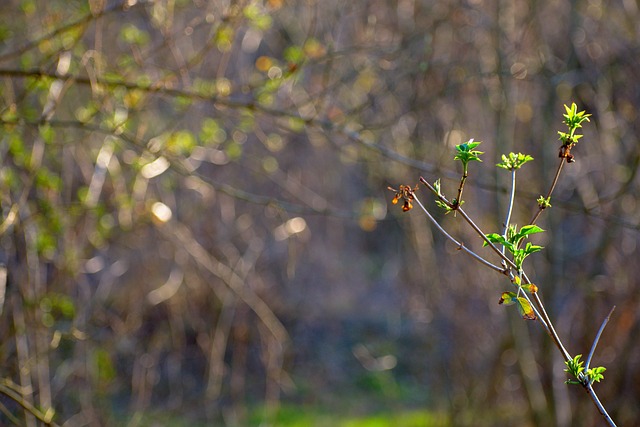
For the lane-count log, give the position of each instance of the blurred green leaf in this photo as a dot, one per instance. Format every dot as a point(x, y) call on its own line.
point(133, 35)
point(181, 142)
point(104, 369)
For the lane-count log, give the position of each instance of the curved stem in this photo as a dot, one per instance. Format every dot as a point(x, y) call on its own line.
point(595, 341)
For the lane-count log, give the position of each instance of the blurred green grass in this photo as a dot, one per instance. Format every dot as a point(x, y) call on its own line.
point(305, 416)
point(291, 416)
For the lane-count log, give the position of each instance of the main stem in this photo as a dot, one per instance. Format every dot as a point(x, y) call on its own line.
point(551, 330)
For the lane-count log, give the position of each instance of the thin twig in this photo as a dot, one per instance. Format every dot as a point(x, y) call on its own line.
point(504, 258)
point(465, 174)
point(595, 341)
point(512, 196)
point(553, 186)
point(460, 245)
point(551, 330)
point(473, 225)
point(13, 395)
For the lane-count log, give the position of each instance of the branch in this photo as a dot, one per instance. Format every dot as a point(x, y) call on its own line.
point(460, 245)
point(599, 405)
point(553, 186)
point(182, 237)
point(45, 417)
point(79, 22)
point(595, 341)
point(181, 167)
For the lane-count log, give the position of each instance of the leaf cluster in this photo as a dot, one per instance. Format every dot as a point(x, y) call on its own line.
point(513, 239)
point(544, 202)
point(514, 161)
point(576, 369)
point(573, 119)
point(442, 205)
point(466, 152)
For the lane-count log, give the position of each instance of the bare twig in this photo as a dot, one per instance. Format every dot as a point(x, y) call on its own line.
point(595, 341)
point(181, 235)
point(553, 186)
point(512, 195)
point(460, 245)
point(44, 417)
point(589, 388)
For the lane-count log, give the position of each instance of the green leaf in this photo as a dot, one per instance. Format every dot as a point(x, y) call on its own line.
point(211, 133)
point(436, 186)
point(595, 374)
point(466, 152)
point(574, 366)
point(524, 232)
point(529, 248)
point(444, 206)
point(496, 238)
point(514, 161)
point(544, 202)
point(573, 118)
point(530, 229)
point(224, 37)
point(530, 287)
point(508, 298)
point(525, 309)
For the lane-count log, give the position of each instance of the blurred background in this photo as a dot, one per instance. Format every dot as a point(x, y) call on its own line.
point(196, 227)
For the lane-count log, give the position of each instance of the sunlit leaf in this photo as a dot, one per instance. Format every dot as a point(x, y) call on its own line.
point(530, 229)
point(530, 287)
point(514, 161)
point(466, 152)
point(596, 374)
point(525, 309)
point(531, 248)
point(507, 298)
